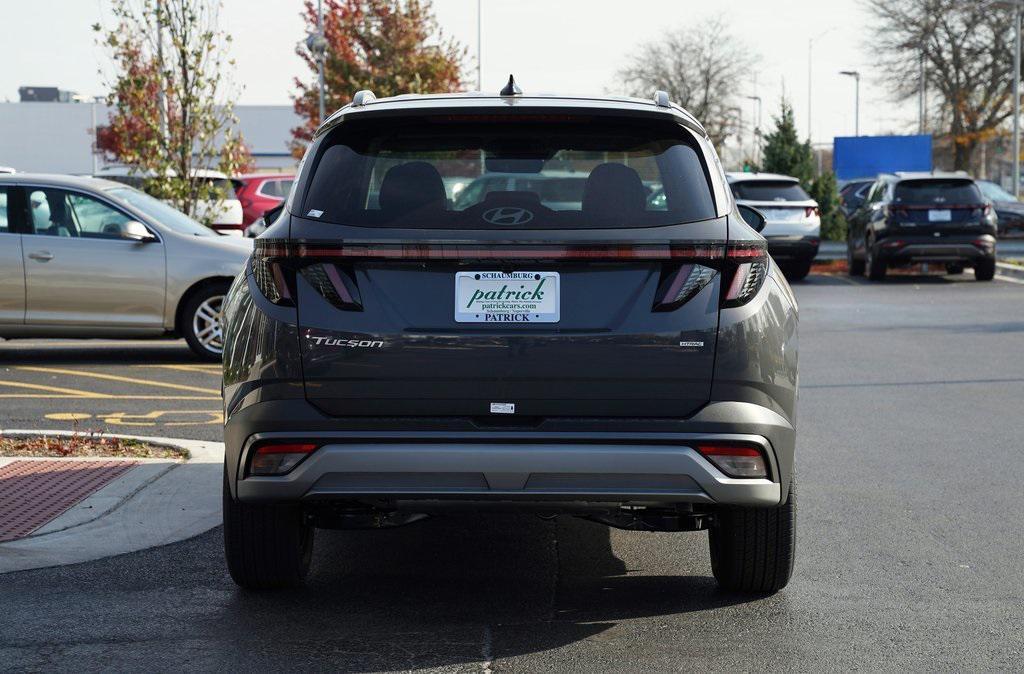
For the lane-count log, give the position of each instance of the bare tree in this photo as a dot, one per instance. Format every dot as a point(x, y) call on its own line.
point(967, 49)
point(701, 67)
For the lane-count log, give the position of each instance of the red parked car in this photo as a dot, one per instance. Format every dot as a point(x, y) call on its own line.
point(260, 192)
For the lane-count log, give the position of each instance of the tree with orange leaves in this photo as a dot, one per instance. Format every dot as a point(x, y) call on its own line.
point(388, 46)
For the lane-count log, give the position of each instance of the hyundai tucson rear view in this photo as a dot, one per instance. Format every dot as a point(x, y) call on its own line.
point(392, 353)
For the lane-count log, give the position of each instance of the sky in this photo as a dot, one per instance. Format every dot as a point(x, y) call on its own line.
point(569, 46)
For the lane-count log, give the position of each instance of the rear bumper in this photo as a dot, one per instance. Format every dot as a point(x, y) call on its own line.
point(793, 247)
point(931, 249)
point(469, 467)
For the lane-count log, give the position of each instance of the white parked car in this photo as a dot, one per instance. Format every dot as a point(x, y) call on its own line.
point(225, 213)
point(793, 229)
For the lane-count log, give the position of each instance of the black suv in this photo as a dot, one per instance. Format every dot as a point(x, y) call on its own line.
point(923, 217)
point(393, 352)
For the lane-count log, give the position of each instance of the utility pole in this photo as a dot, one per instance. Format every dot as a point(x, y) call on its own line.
point(856, 100)
point(921, 96)
point(1016, 99)
point(479, 50)
point(161, 92)
point(316, 43)
point(810, 61)
point(320, 58)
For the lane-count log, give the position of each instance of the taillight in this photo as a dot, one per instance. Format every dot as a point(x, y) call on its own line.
point(811, 210)
point(279, 458)
point(746, 267)
point(681, 284)
point(334, 284)
point(274, 280)
point(735, 460)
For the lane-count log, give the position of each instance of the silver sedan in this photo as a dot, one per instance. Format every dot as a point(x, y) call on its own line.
point(84, 257)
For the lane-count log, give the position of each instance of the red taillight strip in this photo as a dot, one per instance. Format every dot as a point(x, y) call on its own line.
point(498, 251)
point(339, 285)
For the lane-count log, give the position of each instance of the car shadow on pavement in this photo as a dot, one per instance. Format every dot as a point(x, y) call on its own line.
point(447, 592)
point(458, 589)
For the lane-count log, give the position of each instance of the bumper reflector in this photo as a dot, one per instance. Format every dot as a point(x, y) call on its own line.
point(735, 460)
point(279, 459)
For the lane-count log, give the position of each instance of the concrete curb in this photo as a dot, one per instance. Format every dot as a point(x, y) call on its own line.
point(1009, 271)
point(156, 503)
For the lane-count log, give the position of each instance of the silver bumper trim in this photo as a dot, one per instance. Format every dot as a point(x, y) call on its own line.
point(607, 472)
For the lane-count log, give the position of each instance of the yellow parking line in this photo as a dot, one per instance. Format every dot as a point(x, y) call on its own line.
point(114, 377)
point(53, 389)
point(101, 396)
point(203, 369)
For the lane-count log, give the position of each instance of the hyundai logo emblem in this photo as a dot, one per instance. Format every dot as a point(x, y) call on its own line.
point(508, 215)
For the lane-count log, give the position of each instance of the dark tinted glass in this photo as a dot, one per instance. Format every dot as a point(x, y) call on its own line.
point(937, 191)
point(526, 173)
point(769, 190)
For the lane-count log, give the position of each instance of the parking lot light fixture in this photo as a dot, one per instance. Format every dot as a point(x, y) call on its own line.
point(856, 100)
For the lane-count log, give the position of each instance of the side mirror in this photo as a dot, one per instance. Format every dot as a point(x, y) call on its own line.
point(133, 230)
point(752, 217)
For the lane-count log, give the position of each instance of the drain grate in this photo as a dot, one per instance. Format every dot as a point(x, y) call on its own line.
point(34, 492)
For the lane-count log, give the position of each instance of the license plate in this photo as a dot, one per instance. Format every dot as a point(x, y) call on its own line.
point(499, 297)
point(940, 216)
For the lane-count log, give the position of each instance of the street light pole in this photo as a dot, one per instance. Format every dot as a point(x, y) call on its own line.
point(1016, 99)
point(757, 131)
point(856, 99)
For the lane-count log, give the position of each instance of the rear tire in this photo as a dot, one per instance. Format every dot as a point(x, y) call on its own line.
point(201, 321)
point(267, 546)
point(796, 270)
point(752, 549)
point(954, 269)
point(985, 270)
point(875, 267)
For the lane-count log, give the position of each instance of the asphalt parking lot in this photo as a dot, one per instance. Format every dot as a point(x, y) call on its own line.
point(909, 535)
point(132, 387)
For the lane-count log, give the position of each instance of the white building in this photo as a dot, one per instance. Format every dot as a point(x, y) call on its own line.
point(58, 138)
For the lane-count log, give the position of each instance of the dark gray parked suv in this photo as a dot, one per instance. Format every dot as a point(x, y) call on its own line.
point(392, 355)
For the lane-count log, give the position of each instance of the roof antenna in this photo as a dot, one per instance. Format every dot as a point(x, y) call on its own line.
point(511, 89)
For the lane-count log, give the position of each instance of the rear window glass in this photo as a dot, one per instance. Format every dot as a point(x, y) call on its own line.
point(769, 190)
point(492, 172)
point(933, 191)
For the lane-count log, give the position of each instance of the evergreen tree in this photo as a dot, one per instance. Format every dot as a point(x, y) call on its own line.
point(784, 153)
point(833, 223)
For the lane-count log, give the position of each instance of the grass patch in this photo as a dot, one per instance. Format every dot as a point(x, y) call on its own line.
point(86, 445)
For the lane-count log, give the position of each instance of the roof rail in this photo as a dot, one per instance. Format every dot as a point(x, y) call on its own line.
point(661, 99)
point(363, 97)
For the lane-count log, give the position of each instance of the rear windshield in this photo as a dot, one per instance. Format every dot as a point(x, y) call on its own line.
point(769, 190)
point(932, 191)
point(493, 172)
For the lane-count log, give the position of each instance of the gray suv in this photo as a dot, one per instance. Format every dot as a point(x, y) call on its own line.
point(391, 354)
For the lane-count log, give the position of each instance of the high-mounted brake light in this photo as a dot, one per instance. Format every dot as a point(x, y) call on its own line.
point(278, 459)
point(735, 460)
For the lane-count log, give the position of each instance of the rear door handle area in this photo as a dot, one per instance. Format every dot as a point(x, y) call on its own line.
point(41, 255)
